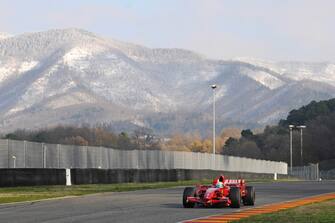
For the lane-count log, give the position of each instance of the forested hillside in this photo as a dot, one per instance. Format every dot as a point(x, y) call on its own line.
point(273, 143)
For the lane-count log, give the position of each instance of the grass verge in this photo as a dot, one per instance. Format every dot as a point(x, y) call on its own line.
point(17, 194)
point(318, 212)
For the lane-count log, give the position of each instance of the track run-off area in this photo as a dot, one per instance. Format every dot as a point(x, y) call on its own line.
point(269, 208)
point(156, 205)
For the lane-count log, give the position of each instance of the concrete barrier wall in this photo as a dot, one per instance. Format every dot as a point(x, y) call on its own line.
point(31, 177)
point(95, 176)
point(41, 176)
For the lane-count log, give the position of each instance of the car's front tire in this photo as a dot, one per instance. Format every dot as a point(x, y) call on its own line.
point(235, 197)
point(188, 192)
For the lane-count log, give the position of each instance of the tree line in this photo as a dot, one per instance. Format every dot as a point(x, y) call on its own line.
point(141, 138)
point(99, 135)
point(273, 142)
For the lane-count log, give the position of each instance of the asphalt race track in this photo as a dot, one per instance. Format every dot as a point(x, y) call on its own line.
point(161, 205)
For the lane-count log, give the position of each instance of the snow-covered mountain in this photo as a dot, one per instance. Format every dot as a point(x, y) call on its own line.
point(4, 35)
point(73, 76)
point(322, 72)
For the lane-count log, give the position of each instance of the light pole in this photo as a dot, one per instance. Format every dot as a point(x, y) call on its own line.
point(291, 162)
point(301, 151)
point(213, 86)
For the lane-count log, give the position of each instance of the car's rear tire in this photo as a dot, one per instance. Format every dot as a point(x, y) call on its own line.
point(250, 197)
point(235, 197)
point(188, 192)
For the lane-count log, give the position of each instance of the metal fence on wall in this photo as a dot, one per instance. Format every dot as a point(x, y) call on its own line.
point(24, 154)
point(327, 174)
point(310, 172)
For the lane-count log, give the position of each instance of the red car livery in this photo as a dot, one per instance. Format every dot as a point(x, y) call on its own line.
point(223, 192)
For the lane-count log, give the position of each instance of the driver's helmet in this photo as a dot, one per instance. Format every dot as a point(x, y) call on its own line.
point(219, 184)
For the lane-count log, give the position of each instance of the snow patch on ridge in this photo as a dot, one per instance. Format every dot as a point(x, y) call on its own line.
point(71, 99)
point(5, 36)
point(78, 57)
point(321, 72)
point(264, 78)
point(37, 91)
point(11, 68)
point(26, 66)
point(262, 63)
point(6, 70)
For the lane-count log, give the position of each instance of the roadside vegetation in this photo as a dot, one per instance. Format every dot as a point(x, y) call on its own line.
point(323, 212)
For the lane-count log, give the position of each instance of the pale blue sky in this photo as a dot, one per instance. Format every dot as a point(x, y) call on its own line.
point(268, 29)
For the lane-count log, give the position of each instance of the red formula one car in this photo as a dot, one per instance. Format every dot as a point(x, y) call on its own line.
point(223, 193)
